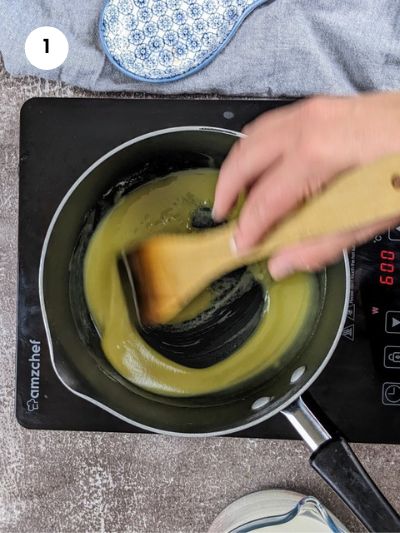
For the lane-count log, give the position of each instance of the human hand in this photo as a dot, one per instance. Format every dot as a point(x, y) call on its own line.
point(287, 156)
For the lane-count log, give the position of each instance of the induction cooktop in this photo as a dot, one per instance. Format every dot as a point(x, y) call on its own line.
point(60, 138)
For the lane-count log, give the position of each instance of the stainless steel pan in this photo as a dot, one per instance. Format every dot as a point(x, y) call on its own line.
point(81, 366)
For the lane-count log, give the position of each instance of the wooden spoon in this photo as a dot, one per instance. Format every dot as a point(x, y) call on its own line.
point(167, 271)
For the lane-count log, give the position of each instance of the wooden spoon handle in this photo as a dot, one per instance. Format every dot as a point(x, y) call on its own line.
point(353, 200)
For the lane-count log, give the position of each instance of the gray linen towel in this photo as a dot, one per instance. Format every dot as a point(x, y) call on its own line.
point(287, 47)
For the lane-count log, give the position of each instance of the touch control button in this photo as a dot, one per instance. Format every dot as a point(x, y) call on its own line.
point(391, 358)
point(392, 322)
point(391, 394)
point(394, 234)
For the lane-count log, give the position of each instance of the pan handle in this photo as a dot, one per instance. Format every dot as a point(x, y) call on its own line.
point(336, 463)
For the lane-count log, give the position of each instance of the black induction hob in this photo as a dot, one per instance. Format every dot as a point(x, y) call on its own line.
point(60, 139)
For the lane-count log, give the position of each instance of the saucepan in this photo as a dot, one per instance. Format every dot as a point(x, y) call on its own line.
point(81, 366)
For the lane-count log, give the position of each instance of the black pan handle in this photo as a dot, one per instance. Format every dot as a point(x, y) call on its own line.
point(336, 463)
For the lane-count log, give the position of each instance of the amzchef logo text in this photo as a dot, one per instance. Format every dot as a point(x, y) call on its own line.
point(33, 403)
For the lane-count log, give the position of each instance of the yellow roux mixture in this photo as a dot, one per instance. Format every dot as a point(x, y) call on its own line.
point(166, 205)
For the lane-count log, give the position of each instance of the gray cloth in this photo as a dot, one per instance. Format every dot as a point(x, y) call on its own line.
point(286, 47)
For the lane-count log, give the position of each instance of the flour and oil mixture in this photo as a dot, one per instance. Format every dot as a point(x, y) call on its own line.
point(167, 205)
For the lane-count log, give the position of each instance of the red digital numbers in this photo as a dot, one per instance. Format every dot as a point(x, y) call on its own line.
point(388, 254)
point(387, 266)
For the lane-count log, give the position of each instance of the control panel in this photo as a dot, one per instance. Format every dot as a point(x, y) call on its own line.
point(378, 266)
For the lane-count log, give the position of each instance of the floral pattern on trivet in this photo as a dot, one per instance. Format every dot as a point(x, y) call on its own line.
point(165, 40)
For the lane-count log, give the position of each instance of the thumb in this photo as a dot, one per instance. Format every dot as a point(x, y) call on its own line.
point(314, 254)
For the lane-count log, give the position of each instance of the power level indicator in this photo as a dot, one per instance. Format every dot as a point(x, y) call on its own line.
point(387, 267)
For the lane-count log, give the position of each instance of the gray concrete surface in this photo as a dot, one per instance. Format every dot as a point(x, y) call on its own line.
point(65, 481)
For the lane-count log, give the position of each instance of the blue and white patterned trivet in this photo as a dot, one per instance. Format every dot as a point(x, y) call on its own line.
point(165, 40)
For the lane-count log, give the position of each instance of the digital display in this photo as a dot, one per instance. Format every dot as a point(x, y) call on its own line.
point(386, 267)
point(377, 264)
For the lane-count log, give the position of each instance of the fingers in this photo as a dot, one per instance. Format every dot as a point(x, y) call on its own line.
point(267, 138)
point(239, 172)
point(309, 256)
point(284, 160)
point(275, 194)
point(313, 255)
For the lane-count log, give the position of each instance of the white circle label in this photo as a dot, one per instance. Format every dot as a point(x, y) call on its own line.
point(46, 48)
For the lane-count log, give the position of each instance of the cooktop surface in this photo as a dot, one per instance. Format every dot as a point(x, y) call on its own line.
point(60, 138)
